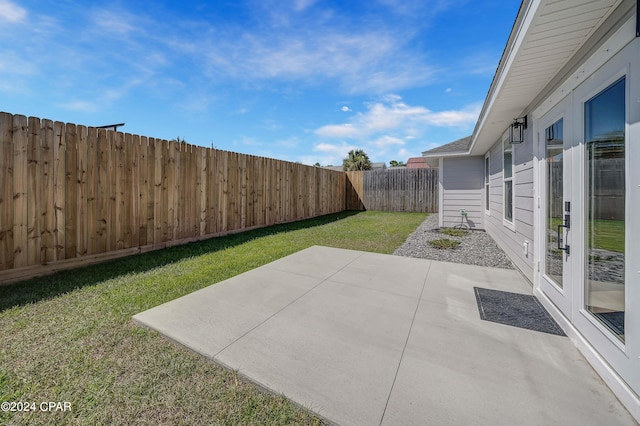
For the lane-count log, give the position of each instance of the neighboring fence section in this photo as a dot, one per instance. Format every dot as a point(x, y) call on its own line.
point(605, 185)
point(73, 194)
point(398, 190)
point(354, 191)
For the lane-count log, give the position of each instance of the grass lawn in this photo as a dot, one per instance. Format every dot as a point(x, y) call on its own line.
point(607, 234)
point(69, 337)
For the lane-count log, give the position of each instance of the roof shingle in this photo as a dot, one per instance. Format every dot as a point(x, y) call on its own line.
point(460, 146)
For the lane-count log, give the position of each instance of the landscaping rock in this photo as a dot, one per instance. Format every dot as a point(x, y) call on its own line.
point(476, 248)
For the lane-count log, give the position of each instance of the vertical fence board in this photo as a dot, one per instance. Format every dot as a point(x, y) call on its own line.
point(157, 189)
point(71, 192)
point(268, 191)
point(188, 192)
point(194, 189)
point(212, 188)
point(132, 149)
point(59, 178)
point(164, 201)
point(233, 213)
point(6, 192)
point(34, 194)
point(143, 189)
point(171, 169)
point(223, 196)
point(47, 225)
point(151, 189)
point(202, 191)
point(242, 186)
point(120, 185)
point(81, 192)
point(20, 202)
point(112, 188)
point(93, 154)
point(185, 193)
point(102, 193)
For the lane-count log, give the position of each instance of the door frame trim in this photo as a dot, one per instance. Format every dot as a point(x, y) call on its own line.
point(562, 109)
point(620, 388)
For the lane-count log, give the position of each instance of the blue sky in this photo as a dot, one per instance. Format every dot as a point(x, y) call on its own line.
point(298, 80)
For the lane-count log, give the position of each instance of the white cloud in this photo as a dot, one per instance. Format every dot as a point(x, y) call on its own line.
point(300, 5)
point(342, 148)
point(388, 141)
point(346, 109)
point(338, 131)
point(391, 128)
point(392, 115)
point(12, 63)
point(81, 106)
point(371, 60)
point(11, 12)
point(327, 153)
point(114, 22)
point(271, 125)
point(457, 118)
point(404, 154)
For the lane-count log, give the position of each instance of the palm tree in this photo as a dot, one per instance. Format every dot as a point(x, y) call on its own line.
point(356, 160)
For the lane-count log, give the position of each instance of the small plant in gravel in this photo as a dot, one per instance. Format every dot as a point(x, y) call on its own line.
point(444, 243)
point(454, 232)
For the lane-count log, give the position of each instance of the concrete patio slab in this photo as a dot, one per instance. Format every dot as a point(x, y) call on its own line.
point(363, 338)
point(334, 337)
point(210, 319)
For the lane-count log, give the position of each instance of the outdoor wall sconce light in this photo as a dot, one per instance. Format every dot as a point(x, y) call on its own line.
point(516, 130)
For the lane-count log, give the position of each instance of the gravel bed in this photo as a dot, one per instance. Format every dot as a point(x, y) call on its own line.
point(476, 248)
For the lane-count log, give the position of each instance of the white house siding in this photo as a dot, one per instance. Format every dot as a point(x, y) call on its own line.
point(463, 184)
point(611, 50)
point(512, 240)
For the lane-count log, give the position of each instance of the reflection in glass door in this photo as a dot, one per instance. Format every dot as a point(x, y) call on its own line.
point(554, 202)
point(605, 192)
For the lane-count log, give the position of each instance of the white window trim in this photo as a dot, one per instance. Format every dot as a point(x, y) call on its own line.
point(487, 183)
point(507, 223)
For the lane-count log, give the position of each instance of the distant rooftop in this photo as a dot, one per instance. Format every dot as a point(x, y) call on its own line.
point(417, 163)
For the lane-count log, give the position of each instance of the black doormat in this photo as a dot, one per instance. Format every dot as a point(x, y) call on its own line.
point(517, 310)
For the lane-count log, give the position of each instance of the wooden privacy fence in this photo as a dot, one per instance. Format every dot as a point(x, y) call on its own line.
point(398, 190)
point(605, 185)
point(72, 194)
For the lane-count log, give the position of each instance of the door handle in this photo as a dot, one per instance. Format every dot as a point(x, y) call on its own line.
point(563, 225)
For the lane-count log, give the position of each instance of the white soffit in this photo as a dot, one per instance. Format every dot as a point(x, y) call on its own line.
point(550, 33)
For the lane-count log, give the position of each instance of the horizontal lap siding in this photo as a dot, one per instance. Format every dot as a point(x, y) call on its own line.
point(463, 179)
point(72, 195)
point(511, 241)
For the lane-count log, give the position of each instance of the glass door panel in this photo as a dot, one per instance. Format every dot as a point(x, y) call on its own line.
point(554, 201)
point(555, 149)
point(605, 116)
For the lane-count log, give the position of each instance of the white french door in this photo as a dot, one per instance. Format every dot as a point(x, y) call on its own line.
point(555, 140)
point(589, 188)
point(605, 299)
